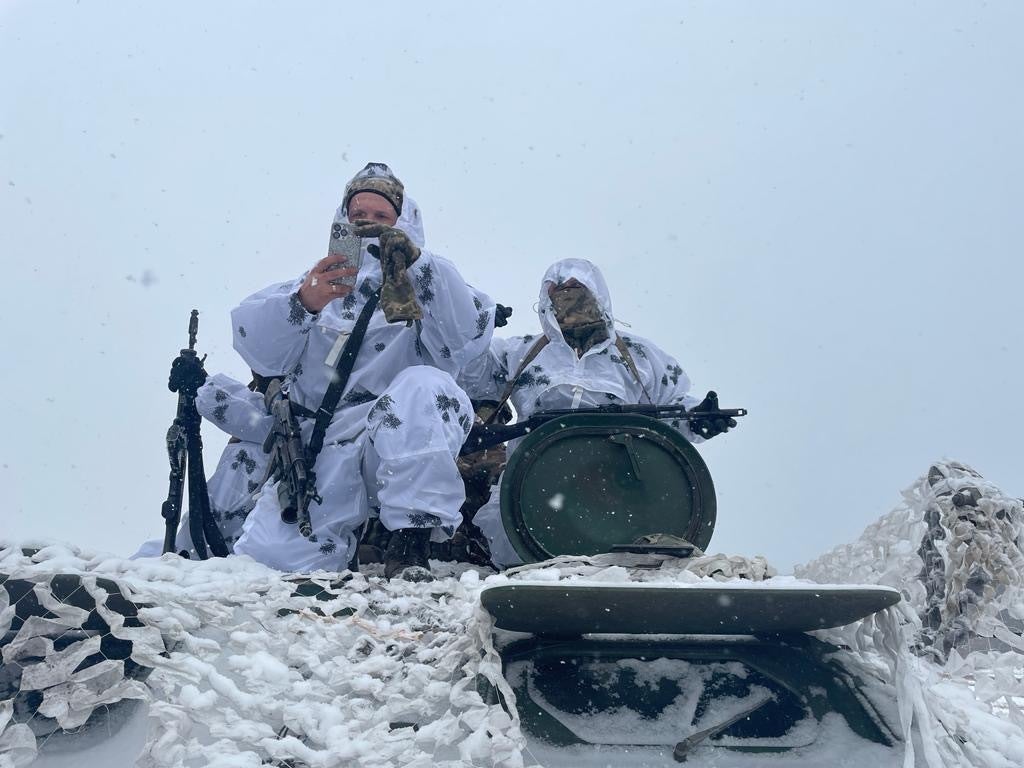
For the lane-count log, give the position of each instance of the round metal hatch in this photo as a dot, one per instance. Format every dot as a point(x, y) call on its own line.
point(584, 483)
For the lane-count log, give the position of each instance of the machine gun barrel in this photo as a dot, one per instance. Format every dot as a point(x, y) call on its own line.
point(483, 436)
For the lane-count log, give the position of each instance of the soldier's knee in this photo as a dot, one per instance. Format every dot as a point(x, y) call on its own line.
point(425, 378)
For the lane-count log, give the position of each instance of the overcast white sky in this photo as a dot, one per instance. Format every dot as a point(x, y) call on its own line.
point(816, 207)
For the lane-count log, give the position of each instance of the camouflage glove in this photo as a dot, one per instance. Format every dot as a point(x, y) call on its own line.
point(396, 254)
point(711, 425)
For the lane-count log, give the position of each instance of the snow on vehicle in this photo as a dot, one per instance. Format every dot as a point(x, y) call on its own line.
point(635, 649)
point(690, 663)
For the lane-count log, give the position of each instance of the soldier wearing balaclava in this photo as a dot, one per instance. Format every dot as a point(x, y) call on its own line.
point(579, 361)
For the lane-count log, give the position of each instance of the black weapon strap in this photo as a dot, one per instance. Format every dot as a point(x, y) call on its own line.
point(542, 342)
point(623, 348)
point(511, 386)
point(343, 370)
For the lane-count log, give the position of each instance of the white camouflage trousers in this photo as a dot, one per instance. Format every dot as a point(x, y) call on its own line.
point(400, 460)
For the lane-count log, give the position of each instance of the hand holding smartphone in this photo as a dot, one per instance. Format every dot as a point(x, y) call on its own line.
point(344, 251)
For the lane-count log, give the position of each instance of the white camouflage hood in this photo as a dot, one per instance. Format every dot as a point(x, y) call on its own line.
point(587, 274)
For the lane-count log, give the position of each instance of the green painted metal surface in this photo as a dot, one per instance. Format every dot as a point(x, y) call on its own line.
point(576, 609)
point(585, 483)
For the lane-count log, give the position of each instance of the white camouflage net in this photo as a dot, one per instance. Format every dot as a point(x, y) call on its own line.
point(251, 667)
point(261, 671)
point(954, 646)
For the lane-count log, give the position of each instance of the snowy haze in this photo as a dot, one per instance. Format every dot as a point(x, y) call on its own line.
point(810, 205)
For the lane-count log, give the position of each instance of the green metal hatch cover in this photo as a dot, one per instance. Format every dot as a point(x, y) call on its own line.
point(585, 483)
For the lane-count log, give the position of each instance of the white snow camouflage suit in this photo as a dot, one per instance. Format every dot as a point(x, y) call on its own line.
point(558, 378)
point(401, 420)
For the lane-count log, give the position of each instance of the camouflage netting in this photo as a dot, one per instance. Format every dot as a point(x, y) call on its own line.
point(72, 645)
point(240, 665)
point(954, 647)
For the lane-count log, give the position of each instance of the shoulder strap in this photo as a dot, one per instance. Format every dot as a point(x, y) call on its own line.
point(343, 368)
point(620, 344)
point(511, 386)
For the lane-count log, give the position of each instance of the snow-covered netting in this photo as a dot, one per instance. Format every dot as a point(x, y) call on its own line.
point(261, 668)
point(239, 665)
point(954, 647)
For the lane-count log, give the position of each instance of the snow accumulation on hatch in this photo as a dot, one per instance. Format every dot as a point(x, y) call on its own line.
point(233, 664)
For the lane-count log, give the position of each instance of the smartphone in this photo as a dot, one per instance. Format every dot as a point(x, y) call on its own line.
point(346, 247)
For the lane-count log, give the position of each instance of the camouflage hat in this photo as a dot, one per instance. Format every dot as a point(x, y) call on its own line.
point(379, 179)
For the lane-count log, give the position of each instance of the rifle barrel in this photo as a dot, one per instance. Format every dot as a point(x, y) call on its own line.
point(483, 436)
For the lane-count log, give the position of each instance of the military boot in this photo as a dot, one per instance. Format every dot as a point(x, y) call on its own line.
point(406, 555)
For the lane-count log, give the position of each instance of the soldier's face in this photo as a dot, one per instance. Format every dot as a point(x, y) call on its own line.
point(369, 206)
point(574, 306)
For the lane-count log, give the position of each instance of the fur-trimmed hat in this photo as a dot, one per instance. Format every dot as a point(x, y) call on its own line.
point(379, 179)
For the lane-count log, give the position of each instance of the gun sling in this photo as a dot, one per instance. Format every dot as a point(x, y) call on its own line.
point(343, 368)
point(536, 349)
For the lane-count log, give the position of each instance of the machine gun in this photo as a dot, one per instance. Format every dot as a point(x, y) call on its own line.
point(289, 464)
point(185, 453)
point(484, 436)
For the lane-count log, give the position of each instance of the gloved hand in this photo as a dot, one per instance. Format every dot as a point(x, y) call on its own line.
point(396, 253)
point(711, 425)
point(187, 373)
point(501, 315)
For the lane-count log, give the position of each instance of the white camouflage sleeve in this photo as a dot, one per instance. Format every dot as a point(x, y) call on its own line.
point(270, 328)
point(486, 376)
point(457, 324)
point(231, 405)
point(672, 387)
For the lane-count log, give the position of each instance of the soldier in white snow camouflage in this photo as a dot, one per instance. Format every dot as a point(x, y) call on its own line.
point(580, 361)
point(395, 435)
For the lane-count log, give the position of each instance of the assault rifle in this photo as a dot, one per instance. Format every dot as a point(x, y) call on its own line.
point(296, 488)
point(185, 453)
point(706, 419)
